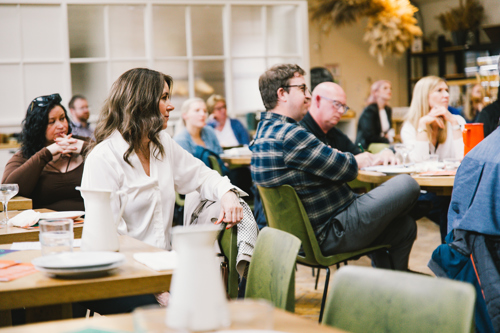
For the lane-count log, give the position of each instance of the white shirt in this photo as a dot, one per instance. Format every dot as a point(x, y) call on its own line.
point(449, 149)
point(226, 137)
point(149, 212)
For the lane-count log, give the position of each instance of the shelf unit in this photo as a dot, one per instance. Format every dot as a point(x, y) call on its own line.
point(448, 62)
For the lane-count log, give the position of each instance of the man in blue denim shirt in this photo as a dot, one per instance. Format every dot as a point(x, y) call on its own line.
point(285, 153)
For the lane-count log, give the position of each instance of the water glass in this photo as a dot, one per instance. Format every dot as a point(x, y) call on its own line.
point(251, 314)
point(56, 236)
point(451, 163)
point(433, 162)
point(7, 191)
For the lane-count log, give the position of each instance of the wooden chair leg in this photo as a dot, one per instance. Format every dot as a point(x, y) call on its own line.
point(325, 291)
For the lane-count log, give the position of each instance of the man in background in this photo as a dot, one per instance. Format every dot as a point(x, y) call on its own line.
point(322, 119)
point(79, 108)
point(283, 152)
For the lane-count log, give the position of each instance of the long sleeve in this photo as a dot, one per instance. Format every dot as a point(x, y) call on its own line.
point(420, 151)
point(303, 151)
point(26, 172)
point(369, 127)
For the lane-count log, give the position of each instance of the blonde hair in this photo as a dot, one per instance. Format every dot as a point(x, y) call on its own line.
point(181, 123)
point(420, 107)
point(212, 100)
point(469, 104)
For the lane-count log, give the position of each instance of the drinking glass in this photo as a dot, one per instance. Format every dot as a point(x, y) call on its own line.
point(7, 191)
point(403, 149)
point(56, 236)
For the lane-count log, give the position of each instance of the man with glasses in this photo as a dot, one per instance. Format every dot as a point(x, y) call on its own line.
point(286, 153)
point(327, 107)
point(79, 108)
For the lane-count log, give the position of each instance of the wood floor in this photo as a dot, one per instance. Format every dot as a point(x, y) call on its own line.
point(308, 300)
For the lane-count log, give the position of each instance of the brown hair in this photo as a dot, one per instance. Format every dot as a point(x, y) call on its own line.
point(274, 78)
point(132, 108)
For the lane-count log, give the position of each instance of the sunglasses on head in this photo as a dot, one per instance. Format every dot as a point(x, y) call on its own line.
point(43, 101)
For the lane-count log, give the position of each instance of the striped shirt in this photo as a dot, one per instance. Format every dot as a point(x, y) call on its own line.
point(283, 152)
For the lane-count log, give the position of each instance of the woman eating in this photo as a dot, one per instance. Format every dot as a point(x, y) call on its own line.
point(49, 164)
point(375, 123)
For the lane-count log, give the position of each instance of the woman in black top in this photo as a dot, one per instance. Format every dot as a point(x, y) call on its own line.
point(374, 125)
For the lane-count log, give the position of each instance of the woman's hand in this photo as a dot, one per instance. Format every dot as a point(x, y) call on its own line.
point(70, 144)
point(231, 210)
point(436, 116)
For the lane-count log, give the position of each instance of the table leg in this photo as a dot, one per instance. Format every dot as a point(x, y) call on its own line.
point(5, 318)
point(49, 312)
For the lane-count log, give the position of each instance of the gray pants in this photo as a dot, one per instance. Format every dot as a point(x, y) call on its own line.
point(376, 218)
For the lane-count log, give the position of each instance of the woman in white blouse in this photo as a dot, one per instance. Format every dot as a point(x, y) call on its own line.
point(134, 154)
point(430, 128)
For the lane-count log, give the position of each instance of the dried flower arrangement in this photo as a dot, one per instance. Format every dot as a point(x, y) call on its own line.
point(391, 25)
point(463, 17)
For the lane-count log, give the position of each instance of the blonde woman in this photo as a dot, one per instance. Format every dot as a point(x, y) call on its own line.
point(474, 103)
point(429, 127)
point(230, 132)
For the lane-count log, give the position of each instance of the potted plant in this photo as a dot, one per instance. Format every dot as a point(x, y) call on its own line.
point(462, 19)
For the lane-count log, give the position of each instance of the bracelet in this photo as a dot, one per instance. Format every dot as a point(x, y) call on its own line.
point(235, 191)
point(420, 130)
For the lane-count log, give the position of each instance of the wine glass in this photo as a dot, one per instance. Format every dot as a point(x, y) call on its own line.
point(7, 191)
point(404, 149)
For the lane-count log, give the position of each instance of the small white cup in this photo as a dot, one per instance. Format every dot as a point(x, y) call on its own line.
point(56, 236)
point(433, 162)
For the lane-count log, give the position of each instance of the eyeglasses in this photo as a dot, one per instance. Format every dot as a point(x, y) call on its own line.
point(336, 104)
point(302, 87)
point(45, 100)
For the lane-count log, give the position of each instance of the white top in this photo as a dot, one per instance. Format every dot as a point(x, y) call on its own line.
point(387, 131)
point(449, 149)
point(149, 211)
point(226, 137)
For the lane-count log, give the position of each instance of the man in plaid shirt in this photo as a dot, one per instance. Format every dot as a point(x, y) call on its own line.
point(283, 152)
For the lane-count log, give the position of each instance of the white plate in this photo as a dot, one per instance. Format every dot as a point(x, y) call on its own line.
point(78, 260)
point(62, 215)
point(391, 170)
point(80, 272)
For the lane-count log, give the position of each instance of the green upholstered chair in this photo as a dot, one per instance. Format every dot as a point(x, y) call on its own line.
point(365, 299)
point(215, 164)
point(229, 250)
point(375, 148)
point(272, 270)
point(285, 211)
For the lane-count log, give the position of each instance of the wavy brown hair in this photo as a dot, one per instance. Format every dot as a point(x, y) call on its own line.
point(132, 108)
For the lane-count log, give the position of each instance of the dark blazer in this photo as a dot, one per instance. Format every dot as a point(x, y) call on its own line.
point(369, 127)
point(489, 116)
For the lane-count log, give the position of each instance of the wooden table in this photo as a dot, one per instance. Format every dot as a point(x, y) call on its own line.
point(18, 203)
point(441, 185)
point(9, 235)
point(243, 160)
point(283, 322)
point(47, 298)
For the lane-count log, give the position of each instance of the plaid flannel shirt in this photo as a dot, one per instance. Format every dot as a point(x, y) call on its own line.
point(283, 152)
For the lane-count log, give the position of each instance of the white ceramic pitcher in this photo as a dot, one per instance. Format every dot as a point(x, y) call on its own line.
point(100, 228)
point(197, 298)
